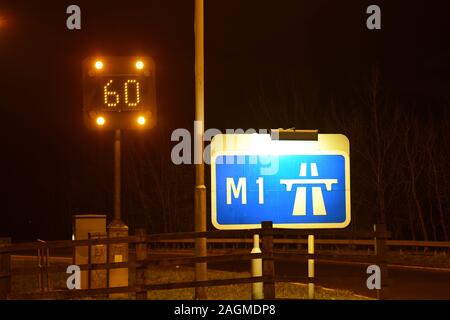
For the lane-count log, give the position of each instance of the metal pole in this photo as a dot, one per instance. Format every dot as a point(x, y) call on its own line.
point(117, 175)
point(311, 266)
point(119, 251)
point(200, 188)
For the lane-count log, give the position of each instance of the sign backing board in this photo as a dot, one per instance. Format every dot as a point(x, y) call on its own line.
point(294, 184)
point(120, 90)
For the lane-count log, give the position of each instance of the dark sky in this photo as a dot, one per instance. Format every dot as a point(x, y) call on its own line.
point(322, 45)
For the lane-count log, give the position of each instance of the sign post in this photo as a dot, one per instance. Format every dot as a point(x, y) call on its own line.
point(117, 174)
point(257, 287)
point(119, 94)
point(311, 285)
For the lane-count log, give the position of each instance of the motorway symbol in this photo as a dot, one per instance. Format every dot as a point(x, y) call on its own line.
point(300, 195)
point(294, 184)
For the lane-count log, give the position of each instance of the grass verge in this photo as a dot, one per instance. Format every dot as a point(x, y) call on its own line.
point(155, 275)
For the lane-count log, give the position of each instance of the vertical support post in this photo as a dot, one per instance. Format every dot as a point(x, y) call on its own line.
point(200, 188)
point(89, 261)
point(43, 266)
point(311, 271)
point(141, 256)
point(268, 263)
point(257, 287)
point(47, 280)
point(5, 269)
point(117, 174)
point(107, 261)
point(39, 269)
point(118, 252)
point(381, 254)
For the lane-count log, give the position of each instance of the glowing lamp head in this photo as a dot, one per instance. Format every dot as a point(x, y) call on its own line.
point(141, 120)
point(139, 65)
point(100, 121)
point(98, 65)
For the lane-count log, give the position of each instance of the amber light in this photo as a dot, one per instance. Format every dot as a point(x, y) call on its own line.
point(98, 65)
point(100, 121)
point(139, 65)
point(141, 120)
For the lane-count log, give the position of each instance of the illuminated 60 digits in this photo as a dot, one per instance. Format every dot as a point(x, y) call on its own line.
point(132, 104)
point(107, 93)
point(115, 101)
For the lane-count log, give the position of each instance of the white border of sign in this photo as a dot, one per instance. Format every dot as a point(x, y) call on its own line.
point(262, 144)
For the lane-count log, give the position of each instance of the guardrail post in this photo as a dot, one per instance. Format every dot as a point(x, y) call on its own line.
point(89, 261)
point(5, 270)
point(42, 257)
point(381, 251)
point(141, 256)
point(268, 263)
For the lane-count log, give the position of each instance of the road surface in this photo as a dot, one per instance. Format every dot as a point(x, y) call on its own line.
point(405, 283)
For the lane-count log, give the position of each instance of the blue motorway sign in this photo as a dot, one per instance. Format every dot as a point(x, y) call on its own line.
point(294, 189)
